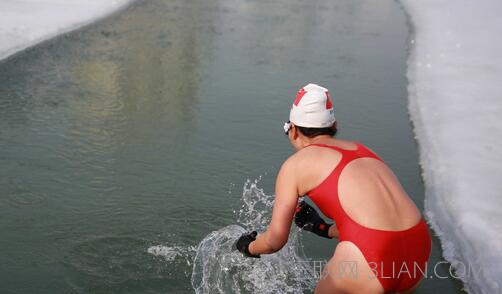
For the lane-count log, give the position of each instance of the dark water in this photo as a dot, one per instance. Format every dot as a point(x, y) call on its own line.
point(141, 130)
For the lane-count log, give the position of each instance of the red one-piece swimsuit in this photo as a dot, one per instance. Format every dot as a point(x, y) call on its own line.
point(397, 258)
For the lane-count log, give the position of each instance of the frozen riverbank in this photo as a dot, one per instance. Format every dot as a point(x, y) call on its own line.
point(454, 73)
point(24, 23)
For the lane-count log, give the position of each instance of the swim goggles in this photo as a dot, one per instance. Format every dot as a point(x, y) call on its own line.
point(287, 126)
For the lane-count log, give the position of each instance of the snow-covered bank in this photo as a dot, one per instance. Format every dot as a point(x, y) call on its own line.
point(455, 89)
point(24, 23)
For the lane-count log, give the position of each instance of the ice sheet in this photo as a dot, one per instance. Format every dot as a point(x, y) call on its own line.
point(455, 103)
point(24, 23)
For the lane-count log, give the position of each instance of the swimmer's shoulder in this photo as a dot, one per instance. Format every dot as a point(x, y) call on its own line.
point(303, 156)
point(296, 162)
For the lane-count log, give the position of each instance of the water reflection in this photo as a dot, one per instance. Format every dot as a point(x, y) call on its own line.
point(93, 130)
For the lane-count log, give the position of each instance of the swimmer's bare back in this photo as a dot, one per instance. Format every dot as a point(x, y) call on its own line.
point(369, 192)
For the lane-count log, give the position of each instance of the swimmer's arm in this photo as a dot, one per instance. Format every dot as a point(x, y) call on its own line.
point(286, 199)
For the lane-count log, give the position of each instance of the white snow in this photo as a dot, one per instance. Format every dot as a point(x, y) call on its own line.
point(24, 23)
point(455, 102)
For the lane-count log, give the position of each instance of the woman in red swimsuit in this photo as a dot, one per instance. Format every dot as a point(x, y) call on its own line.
point(380, 230)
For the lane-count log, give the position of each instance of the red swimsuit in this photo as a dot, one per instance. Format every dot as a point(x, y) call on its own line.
point(397, 258)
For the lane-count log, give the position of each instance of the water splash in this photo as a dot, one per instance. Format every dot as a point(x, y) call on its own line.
point(169, 253)
point(219, 268)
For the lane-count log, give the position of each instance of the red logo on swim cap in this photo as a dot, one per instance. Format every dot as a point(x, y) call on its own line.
point(299, 96)
point(328, 101)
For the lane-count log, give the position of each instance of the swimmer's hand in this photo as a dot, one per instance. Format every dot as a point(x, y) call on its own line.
point(307, 218)
point(243, 243)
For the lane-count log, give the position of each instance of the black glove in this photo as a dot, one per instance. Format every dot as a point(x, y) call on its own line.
point(307, 218)
point(243, 243)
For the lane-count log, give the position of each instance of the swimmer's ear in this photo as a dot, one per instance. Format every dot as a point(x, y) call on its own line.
point(294, 131)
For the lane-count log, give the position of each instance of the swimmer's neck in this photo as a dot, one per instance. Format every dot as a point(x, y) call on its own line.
point(306, 141)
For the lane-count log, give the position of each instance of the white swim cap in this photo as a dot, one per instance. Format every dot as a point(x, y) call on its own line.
point(312, 108)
